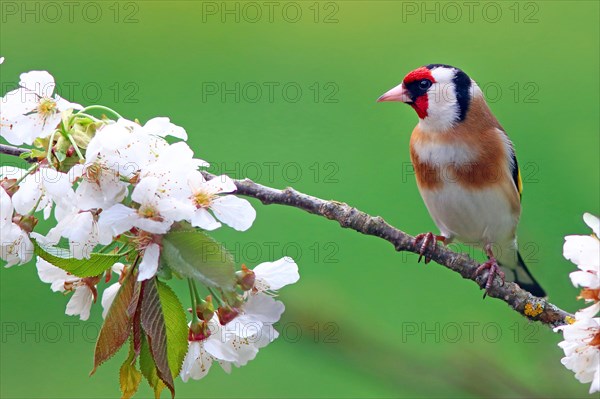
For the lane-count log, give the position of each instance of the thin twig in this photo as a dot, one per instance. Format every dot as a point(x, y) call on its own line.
point(15, 151)
point(534, 308)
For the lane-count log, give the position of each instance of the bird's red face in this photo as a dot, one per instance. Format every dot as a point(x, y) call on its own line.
point(413, 91)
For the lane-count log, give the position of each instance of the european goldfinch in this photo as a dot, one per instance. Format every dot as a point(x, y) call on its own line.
point(466, 169)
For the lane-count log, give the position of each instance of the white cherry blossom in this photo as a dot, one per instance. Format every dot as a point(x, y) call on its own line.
point(32, 110)
point(229, 209)
point(109, 294)
point(584, 251)
point(197, 362)
point(225, 348)
point(149, 264)
point(36, 189)
point(81, 301)
point(128, 148)
point(80, 226)
point(272, 276)
point(99, 186)
point(156, 212)
point(582, 349)
point(15, 245)
point(582, 338)
point(260, 309)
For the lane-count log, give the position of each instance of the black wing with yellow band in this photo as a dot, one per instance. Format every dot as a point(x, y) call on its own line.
point(516, 173)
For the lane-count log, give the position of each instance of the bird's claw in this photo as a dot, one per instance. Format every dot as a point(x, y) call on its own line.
point(425, 240)
point(493, 269)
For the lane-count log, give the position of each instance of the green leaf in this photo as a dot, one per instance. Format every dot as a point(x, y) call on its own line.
point(149, 370)
point(164, 272)
point(129, 376)
point(117, 325)
point(153, 323)
point(59, 257)
point(177, 328)
point(195, 255)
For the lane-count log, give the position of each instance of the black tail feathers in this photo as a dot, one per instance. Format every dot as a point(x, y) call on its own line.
point(526, 281)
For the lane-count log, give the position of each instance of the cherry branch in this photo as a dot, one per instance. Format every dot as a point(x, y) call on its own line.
point(533, 308)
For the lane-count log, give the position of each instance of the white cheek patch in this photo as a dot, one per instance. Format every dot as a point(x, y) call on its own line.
point(443, 110)
point(443, 75)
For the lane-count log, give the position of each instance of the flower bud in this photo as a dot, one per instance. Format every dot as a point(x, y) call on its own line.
point(205, 310)
point(246, 278)
point(9, 185)
point(226, 314)
point(198, 331)
point(233, 299)
point(25, 222)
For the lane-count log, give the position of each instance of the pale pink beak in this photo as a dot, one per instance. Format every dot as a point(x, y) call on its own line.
point(398, 93)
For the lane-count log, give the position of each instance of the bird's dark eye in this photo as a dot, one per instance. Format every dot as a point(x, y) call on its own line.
point(424, 84)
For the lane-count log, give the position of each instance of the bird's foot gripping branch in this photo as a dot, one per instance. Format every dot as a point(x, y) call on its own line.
point(133, 215)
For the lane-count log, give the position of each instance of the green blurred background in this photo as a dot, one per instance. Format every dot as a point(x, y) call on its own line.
point(363, 321)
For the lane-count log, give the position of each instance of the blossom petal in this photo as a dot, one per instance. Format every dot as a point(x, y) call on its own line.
point(233, 211)
point(197, 362)
point(584, 251)
point(149, 263)
point(51, 274)
point(81, 302)
point(108, 296)
point(145, 190)
point(64, 105)
point(118, 268)
point(203, 219)
point(278, 274)
point(263, 308)
point(219, 185)
point(593, 222)
point(118, 218)
point(40, 82)
point(6, 208)
point(162, 126)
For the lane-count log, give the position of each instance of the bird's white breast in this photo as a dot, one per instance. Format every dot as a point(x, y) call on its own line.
point(479, 216)
point(443, 154)
point(470, 214)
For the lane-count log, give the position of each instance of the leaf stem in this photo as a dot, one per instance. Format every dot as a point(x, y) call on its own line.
point(49, 151)
point(88, 116)
point(199, 300)
point(220, 301)
point(102, 108)
point(29, 171)
point(77, 151)
point(194, 303)
point(34, 209)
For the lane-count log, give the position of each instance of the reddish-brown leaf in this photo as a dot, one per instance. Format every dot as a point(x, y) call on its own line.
point(117, 325)
point(153, 324)
point(137, 323)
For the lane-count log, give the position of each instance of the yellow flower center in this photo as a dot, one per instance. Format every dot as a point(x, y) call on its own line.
point(202, 199)
point(93, 173)
point(149, 212)
point(46, 107)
